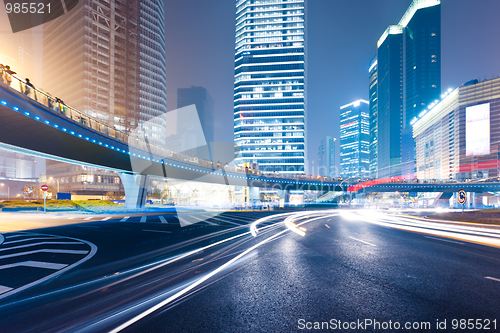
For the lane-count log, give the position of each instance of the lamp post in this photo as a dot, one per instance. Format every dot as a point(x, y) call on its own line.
point(350, 200)
point(8, 190)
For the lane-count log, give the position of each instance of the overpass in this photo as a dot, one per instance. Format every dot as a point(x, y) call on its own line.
point(34, 122)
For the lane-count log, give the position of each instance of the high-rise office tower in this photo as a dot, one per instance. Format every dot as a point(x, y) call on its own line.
point(107, 59)
point(204, 103)
point(354, 140)
point(373, 99)
point(390, 101)
point(269, 85)
point(422, 34)
point(409, 79)
point(326, 157)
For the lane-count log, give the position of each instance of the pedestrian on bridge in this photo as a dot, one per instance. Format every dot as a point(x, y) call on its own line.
point(8, 75)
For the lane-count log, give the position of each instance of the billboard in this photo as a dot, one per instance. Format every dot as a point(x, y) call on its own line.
point(477, 130)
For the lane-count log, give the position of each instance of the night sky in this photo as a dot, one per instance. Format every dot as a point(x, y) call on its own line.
point(342, 38)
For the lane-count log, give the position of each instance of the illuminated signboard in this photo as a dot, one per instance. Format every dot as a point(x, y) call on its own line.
point(477, 130)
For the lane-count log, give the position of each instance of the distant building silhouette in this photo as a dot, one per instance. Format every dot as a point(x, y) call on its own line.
point(204, 103)
point(326, 157)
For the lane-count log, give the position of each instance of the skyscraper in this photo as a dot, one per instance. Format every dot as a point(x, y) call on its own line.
point(409, 79)
point(200, 97)
point(390, 101)
point(354, 140)
point(326, 157)
point(269, 85)
point(107, 59)
point(422, 34)
point(373, 71)
point(204, 103)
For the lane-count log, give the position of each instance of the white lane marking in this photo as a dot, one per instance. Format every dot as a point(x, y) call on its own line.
point(162, 219)
point(143, 219)
point(444, 240)
point(106, 218)
point(184, 222)
point(43, 251)
point(203, 220)
point(36, 244)
point(88, 218)
point(201, 280)
point(326, 225)
point(167, 232)
point(16, 235)
point(216, 218)
point(4, 289)
point(30, 239)
point(2, 238)
point(37, 264)
point(90, 254)
point(362, 241)
point(492, 278)
point(70, 218)
point(125, 219)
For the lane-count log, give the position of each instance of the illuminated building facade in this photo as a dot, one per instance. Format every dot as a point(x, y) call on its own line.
point(355, 140)
point(409, 79)
point(390, 102)
point(269, 85)
point(373, 70)
point(459, 138)
point(107, 59)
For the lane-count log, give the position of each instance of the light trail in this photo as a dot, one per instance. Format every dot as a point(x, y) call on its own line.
point(213, 273)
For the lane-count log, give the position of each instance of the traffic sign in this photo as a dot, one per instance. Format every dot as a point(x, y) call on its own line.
point(45, 187)
point(462, 197)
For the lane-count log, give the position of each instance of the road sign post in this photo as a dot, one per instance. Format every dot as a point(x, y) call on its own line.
point(44, 189)
point(462, 198)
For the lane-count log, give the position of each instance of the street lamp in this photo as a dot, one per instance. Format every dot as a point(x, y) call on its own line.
point(51, 178)
point(350, 194)
point(8, 191)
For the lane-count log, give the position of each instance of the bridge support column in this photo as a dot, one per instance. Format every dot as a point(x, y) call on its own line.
point(477, 201)
point(135, 186)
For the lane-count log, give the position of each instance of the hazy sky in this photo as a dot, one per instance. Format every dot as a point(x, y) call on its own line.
point(342, 38)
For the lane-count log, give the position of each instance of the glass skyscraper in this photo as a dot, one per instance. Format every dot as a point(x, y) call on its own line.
point(409, 79)
point(355, 140)
point(269, 85)
point(422, 22)
point(373, 70)
point(390, 101)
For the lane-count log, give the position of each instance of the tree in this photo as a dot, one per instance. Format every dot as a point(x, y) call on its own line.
point(31, 192)
point(114, 196)
point(157, 194)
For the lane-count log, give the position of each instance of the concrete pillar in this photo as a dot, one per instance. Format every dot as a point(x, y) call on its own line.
point(135, 189)
point(478, 200)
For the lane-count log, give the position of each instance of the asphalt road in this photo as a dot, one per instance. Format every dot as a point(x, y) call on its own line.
point(215, 276)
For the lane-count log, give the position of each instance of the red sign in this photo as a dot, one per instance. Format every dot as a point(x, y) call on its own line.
point(45, 187)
